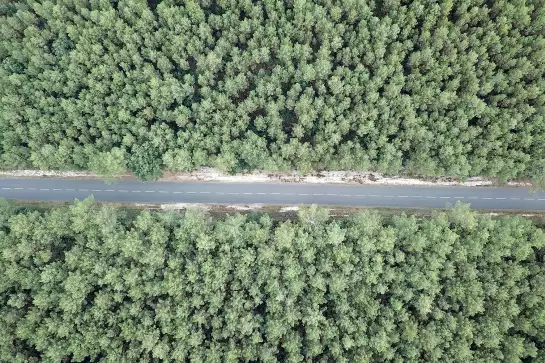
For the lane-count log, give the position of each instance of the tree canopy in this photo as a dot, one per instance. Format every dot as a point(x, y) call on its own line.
point(447, 87)
point(89, 283)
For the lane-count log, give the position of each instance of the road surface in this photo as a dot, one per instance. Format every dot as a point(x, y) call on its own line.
point(239, 193)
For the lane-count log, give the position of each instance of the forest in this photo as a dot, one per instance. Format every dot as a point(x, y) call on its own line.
point(423, 87)
point(90, 283)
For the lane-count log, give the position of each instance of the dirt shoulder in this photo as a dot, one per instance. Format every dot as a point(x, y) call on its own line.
point(280, 212)
point(324, 177)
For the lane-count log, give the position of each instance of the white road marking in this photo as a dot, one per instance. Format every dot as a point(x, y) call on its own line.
point(150, 191)
point(529, 199)
point(541, 199)
point(501, 198)
point(416, 196)
point(317, 194)
point(83, 190)
point(96, 190)
point(374, 195)
point(45, 189)
point(233, 193)
point(472, 197)
point(360, 195)
point(459, 197)
point(445, 197)
point(221, 193)
point(57, 190)
point(109, 190)
point(204, 192)
point(191, 192)
point(332, 195)
point(403, 196)
point(247, 193)
point(345, 195)
point(301, 194)
point(487, 198)
point(262, 193)
point(178, 192)
point(514, 198)
point(6, 188)
point(431, 197)
point(388, 196)
point(18, 188)
point(136, 191)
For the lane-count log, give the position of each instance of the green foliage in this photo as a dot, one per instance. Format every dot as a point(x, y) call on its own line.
point(108, 165)
point(84, 283)
point(145, 162)
point(6, 210)
point(312, 215)
point(538, 181)
point(9, 7)
point(434, 88)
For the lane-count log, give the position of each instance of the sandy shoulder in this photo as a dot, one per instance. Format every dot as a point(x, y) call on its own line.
point(325, 177)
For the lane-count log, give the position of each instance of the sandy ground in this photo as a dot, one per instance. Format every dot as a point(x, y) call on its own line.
point(289, 209)
point(325, 177)
point(181, 206)
point(47, 173)
point(208, 207)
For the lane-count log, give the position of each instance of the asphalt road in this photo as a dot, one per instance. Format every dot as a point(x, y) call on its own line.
point(238, 193)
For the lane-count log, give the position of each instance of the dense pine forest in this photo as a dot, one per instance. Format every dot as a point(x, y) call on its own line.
point(448, 87)
point(89, 283)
